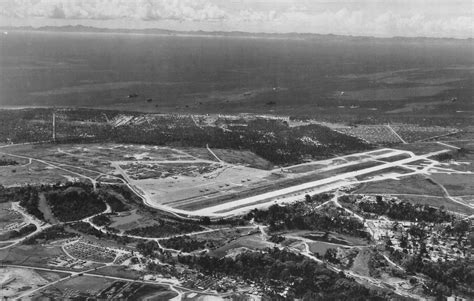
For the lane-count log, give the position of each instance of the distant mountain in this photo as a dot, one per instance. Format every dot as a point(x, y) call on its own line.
point(157, 31)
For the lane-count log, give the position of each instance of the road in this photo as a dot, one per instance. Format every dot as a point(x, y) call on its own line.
point(448, 196)
point(215, 156)
point(396, 134)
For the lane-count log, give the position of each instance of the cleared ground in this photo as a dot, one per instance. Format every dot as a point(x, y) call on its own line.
point(14, 281)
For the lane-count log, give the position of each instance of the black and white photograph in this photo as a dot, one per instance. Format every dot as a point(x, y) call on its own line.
point(247, 150)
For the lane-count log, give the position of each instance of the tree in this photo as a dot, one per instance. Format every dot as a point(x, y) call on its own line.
point(331, 256)
point(206, 220)
point(403, 242)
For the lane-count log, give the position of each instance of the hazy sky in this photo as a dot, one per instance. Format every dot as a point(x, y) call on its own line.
point(432, 18)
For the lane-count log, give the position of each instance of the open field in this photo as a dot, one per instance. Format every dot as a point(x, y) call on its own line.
point(32, 174)
point(395, 173)
point(456, 184)
point(421, 147)
point(407, 185)
point(217, 239)
point(130, 220)
point(14, 281)
point(34, 255)
point(320, 247)
point(84, 286)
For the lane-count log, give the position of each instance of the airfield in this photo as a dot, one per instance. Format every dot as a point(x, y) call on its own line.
point(197, 182)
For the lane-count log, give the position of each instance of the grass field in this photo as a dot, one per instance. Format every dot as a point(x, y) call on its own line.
point(456, 184)
point(320, 247)
point(394, 172)
point(77, 287)
point(421, 147)
point(34, 255)
point(407, 185)
point(33, 174)
point(130, 220)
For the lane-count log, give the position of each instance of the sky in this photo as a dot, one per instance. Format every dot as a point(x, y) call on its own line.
point(381, 18)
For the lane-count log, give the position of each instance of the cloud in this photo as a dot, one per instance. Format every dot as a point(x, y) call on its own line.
point(184, 10)
point(58, 13)
point(348, 17)
point(358, 22)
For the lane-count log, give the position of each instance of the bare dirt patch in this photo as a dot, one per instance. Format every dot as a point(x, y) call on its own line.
point(14, 281)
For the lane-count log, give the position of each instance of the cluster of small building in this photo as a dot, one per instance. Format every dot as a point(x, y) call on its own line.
point(64, 261)
point(16, 220)
point(222, 284)
point(90, 252)
point(438, 246)
point(371, 133)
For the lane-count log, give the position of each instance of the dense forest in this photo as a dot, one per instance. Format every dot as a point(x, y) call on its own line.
point(301, 216)
point(184, 243)
point(74, 203)
point(30, 200)
point(398, 210)
point(101, 220)
point(7, 162)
